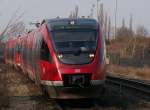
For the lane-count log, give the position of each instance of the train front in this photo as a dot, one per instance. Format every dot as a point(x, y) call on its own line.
point(78, 54)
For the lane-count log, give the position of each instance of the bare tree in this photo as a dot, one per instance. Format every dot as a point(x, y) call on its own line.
point(13, 21)
point(16, 29)
point(74, 14)
point(141, 31)
point(71, 14)
point(123, 23)
point(76, 11)
point(109, 28)
point(124, 31)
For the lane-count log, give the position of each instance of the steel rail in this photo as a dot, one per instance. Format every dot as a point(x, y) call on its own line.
point(138, 85)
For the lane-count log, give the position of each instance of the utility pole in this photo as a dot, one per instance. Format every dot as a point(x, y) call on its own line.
point(130, 25)
point(99, 12)
point(105, 25)
point(101, 15)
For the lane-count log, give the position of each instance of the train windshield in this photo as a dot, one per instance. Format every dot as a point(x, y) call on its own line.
point(75, 46)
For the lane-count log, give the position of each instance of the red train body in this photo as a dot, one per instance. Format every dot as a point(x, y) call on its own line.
point(65, 56)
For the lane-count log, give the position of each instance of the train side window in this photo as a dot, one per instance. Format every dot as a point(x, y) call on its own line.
point(44, 52)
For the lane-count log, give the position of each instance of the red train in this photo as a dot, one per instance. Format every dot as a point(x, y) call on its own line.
point(65, 56)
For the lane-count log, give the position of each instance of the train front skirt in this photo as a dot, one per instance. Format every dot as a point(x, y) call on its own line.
point(56, 89)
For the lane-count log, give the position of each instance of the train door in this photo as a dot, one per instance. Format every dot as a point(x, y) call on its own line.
point(47, 67)
point(17, 52)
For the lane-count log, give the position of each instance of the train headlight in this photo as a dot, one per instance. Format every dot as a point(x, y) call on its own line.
point(60, 56)
point(91, 55)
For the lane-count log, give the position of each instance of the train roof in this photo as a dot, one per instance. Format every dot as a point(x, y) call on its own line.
point(60, 22)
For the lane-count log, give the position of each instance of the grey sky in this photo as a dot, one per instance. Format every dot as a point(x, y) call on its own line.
point(39, 9)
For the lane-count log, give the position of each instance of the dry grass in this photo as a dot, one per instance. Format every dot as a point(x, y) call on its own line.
point(15, 83)
point(131, 72)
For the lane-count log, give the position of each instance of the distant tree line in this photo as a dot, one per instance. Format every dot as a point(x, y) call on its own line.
point(125, 31)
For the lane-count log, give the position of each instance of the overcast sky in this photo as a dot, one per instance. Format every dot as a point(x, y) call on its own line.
point(35, 10)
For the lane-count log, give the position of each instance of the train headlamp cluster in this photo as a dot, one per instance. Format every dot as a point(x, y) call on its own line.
point(60, 56)
point(91, 55)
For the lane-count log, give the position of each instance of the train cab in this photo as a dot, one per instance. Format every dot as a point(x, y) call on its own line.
point(72, 58)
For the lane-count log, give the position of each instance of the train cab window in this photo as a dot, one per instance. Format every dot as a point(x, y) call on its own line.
point(44, 52)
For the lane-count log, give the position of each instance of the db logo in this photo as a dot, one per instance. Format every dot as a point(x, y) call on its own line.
point(77, 70)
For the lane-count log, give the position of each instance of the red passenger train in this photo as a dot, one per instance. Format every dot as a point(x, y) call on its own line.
point(66, 56)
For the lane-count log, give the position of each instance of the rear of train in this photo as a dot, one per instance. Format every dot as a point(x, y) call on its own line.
point(75, 53)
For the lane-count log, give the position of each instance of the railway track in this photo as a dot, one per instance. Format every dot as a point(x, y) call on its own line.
point(25, 101)
point(19, 92)
point(125, 85)
point(138, 86)
point(84, 104)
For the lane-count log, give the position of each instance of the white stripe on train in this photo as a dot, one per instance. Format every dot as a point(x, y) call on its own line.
point(60, 83)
